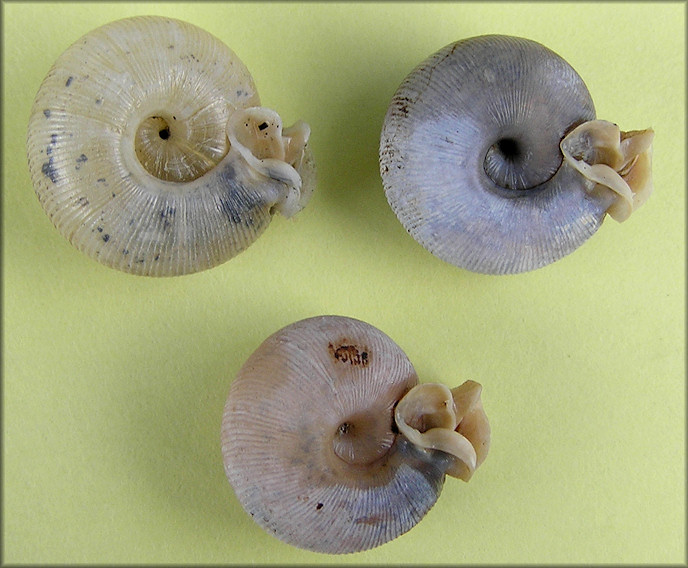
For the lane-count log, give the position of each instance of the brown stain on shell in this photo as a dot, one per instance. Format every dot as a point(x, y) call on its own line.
point(347, 352)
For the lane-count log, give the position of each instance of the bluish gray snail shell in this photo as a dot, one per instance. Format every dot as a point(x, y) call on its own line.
point(149, 151)
point(471, 162)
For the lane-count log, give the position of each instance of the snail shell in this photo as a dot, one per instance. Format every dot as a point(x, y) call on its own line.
point(149, 151)
point(332, 445)
point(491, 157)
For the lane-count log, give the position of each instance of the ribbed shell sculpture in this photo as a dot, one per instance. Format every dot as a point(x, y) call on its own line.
point(492, 159)
point(150, 152)
point(332, 445)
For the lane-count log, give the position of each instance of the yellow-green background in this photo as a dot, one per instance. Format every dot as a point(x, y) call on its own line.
point(113, 385)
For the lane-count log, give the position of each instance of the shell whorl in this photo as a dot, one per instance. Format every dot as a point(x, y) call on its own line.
point(130, 155)
point(311, 446)
point(471, 162)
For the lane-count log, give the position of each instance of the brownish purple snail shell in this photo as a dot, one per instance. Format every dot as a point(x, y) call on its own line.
point(332, 445)
point(150, 152)
point(492, 159)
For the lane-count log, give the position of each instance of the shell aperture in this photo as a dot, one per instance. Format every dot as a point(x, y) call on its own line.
point(130, 153)
point(473, 157)
point(332, 445)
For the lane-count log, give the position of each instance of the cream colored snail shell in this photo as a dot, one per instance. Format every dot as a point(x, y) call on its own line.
point(332, 445)
point(491, 157)
point(149, 151)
